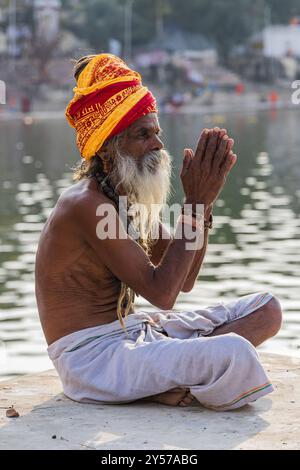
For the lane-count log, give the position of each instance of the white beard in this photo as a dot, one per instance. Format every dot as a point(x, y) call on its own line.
point(146, 183)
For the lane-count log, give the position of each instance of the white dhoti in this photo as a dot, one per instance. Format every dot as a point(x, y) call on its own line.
point(163, 350)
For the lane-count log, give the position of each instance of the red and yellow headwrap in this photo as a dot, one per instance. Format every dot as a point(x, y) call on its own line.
point(109, 96)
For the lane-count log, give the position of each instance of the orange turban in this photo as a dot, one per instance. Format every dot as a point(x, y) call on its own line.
point(108, 98)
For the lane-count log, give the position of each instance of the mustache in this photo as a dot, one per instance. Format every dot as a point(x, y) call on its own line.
point(152, 159)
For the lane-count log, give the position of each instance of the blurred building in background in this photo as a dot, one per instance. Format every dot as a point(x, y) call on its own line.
point(271, 55)
point(185, 52)
point(281, 40)
point(46, 17)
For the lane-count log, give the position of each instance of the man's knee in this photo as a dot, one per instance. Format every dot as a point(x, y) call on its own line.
point(273, 315)
point(232, 347)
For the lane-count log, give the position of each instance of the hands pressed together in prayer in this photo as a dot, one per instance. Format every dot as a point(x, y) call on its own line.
point(204, 172)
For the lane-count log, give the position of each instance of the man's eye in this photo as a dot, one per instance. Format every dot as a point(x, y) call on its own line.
point(146, 135)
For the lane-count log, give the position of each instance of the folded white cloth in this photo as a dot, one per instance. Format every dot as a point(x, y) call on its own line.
point(163, 350)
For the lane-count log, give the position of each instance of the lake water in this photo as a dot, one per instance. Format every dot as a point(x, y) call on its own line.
point(255, 244)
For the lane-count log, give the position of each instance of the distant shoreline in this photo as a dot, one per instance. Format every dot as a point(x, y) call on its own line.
point(185, 109)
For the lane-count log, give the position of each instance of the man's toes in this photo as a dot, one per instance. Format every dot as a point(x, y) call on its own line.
point(188, 397)
point(186, 400)
point(183, 402)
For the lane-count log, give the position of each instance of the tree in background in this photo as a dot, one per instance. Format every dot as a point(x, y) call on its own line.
point(224, 22)
point(96, 21)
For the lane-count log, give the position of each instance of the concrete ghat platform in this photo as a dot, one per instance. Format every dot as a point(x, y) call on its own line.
point(272, 422)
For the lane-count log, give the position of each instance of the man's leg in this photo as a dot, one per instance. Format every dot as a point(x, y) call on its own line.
point(258, 326)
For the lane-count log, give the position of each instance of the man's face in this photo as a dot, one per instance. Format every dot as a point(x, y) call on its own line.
point(142, 166)
point(142, 171)
point(143, 136)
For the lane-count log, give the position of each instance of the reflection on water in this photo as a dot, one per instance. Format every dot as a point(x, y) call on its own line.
point(255, 244)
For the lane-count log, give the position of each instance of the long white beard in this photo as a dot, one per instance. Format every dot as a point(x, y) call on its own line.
point(146, 183)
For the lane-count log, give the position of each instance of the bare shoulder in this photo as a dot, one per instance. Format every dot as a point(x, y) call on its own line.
point(85, 205)
point(83, 196)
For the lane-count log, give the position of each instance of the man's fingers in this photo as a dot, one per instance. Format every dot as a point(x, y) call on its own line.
point(228, 164)
point(187, 160)
point(212, 144)
point(201, 145)
point(221, 134)
point(221, 151)
point(233, 160)
point(230, 144)
point(190, 153)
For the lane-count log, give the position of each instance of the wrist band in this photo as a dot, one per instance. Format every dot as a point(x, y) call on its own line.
point(192, 221)
point(188, 211)
point(208, 224)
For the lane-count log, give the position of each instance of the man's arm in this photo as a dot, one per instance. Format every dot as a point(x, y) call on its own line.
point(198, 260)
point(160, 244)
point(202, 181)
point(127, 260)
point(159, 248)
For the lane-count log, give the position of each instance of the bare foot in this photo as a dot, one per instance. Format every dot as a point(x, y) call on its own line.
point(174, 397)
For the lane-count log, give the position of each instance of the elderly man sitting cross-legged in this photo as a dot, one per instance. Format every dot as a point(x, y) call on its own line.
point(87, 273)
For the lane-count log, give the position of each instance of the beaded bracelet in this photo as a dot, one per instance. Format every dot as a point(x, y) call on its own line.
point(191, 221)
point(198, 216)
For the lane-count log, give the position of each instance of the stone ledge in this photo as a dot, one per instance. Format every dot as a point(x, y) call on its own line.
point(272, 422)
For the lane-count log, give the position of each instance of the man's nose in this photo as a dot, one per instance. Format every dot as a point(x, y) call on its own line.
point(157, 144)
